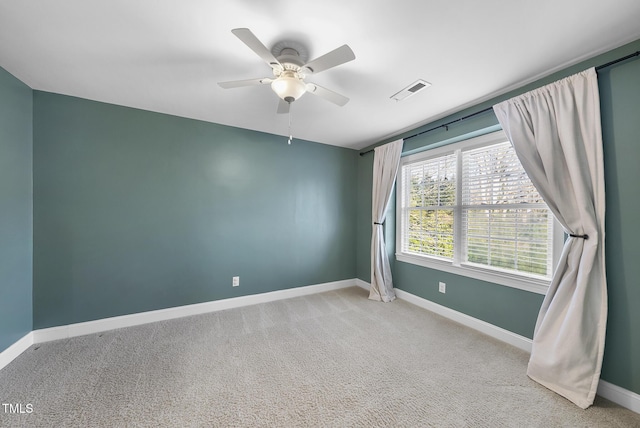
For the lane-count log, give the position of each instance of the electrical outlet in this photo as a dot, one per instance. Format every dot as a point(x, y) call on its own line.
point(442, 287)
point(236, 281)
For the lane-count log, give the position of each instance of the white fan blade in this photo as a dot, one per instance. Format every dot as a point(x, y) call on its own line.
point(283, 107)
point(334, 58)
point(249, 39)
point(327, 94)
point(242, 83)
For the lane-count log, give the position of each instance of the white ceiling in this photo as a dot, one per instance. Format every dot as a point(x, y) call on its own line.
point(167, 56)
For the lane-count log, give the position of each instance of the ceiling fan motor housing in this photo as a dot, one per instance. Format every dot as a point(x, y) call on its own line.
point(290, 59)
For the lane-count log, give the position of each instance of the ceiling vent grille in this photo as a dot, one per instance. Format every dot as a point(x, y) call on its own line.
point(410, 90)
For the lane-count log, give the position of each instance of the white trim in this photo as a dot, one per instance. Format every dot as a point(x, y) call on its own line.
point(105, 324)
point(365, 285)
point(455, 265)
point(520, 282)
point(464, 145)
point(496, 332)
point(501, 334)
point(12, 352)
point(620, 396)
point(97, 326)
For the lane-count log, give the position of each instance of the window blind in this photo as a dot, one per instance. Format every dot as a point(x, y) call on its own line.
point(506, 224)
point(429, 205)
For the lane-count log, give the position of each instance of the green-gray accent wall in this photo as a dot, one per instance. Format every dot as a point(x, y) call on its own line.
point(620, 109)
point(136, 211)
point(516, 310)
point(16, 232)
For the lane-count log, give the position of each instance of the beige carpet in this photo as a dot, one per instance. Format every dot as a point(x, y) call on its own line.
point(333, 359)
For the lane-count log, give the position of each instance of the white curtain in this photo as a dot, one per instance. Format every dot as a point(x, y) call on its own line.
point(556, 132)
point(385, 168)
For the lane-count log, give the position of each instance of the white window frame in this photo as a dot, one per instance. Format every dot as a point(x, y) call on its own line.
point(510, 279)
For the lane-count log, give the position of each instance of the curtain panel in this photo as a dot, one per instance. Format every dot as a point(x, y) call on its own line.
point(556, 132)
point(385, 168)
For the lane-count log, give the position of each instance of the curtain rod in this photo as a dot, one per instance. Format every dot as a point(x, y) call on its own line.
point(615, 61)
point(446, 125)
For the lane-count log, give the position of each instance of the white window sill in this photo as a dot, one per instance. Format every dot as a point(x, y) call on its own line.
point(533, 285)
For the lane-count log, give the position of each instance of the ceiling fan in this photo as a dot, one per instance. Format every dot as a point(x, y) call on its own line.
point(288, 62)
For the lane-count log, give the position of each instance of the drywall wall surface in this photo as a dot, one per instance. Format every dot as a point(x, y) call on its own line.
point(136, 211)
point(620, 109)
point(16, 226)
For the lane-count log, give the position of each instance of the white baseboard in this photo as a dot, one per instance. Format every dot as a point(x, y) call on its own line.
point(513, 339)
point(501, 334)
point(611, 392)
point(16, 349)
point(363, 284)
point(620, 396)
point(105, 324)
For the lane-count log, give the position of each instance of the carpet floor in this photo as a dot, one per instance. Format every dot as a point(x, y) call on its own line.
point(333, 359)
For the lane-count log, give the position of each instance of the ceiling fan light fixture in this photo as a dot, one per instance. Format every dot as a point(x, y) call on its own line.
point(288, 86)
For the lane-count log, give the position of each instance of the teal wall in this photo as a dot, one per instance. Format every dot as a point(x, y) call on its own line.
point(516, 310)
point(364, 224)
point(16, 232)
point(620, 101)
point(136, 211)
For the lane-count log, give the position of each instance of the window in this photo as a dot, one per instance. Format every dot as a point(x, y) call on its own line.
point(470, 208)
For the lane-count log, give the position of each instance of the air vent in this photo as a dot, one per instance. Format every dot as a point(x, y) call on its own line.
point(410, 90)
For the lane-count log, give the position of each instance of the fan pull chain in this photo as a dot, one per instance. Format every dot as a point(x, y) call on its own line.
point(290, 135)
